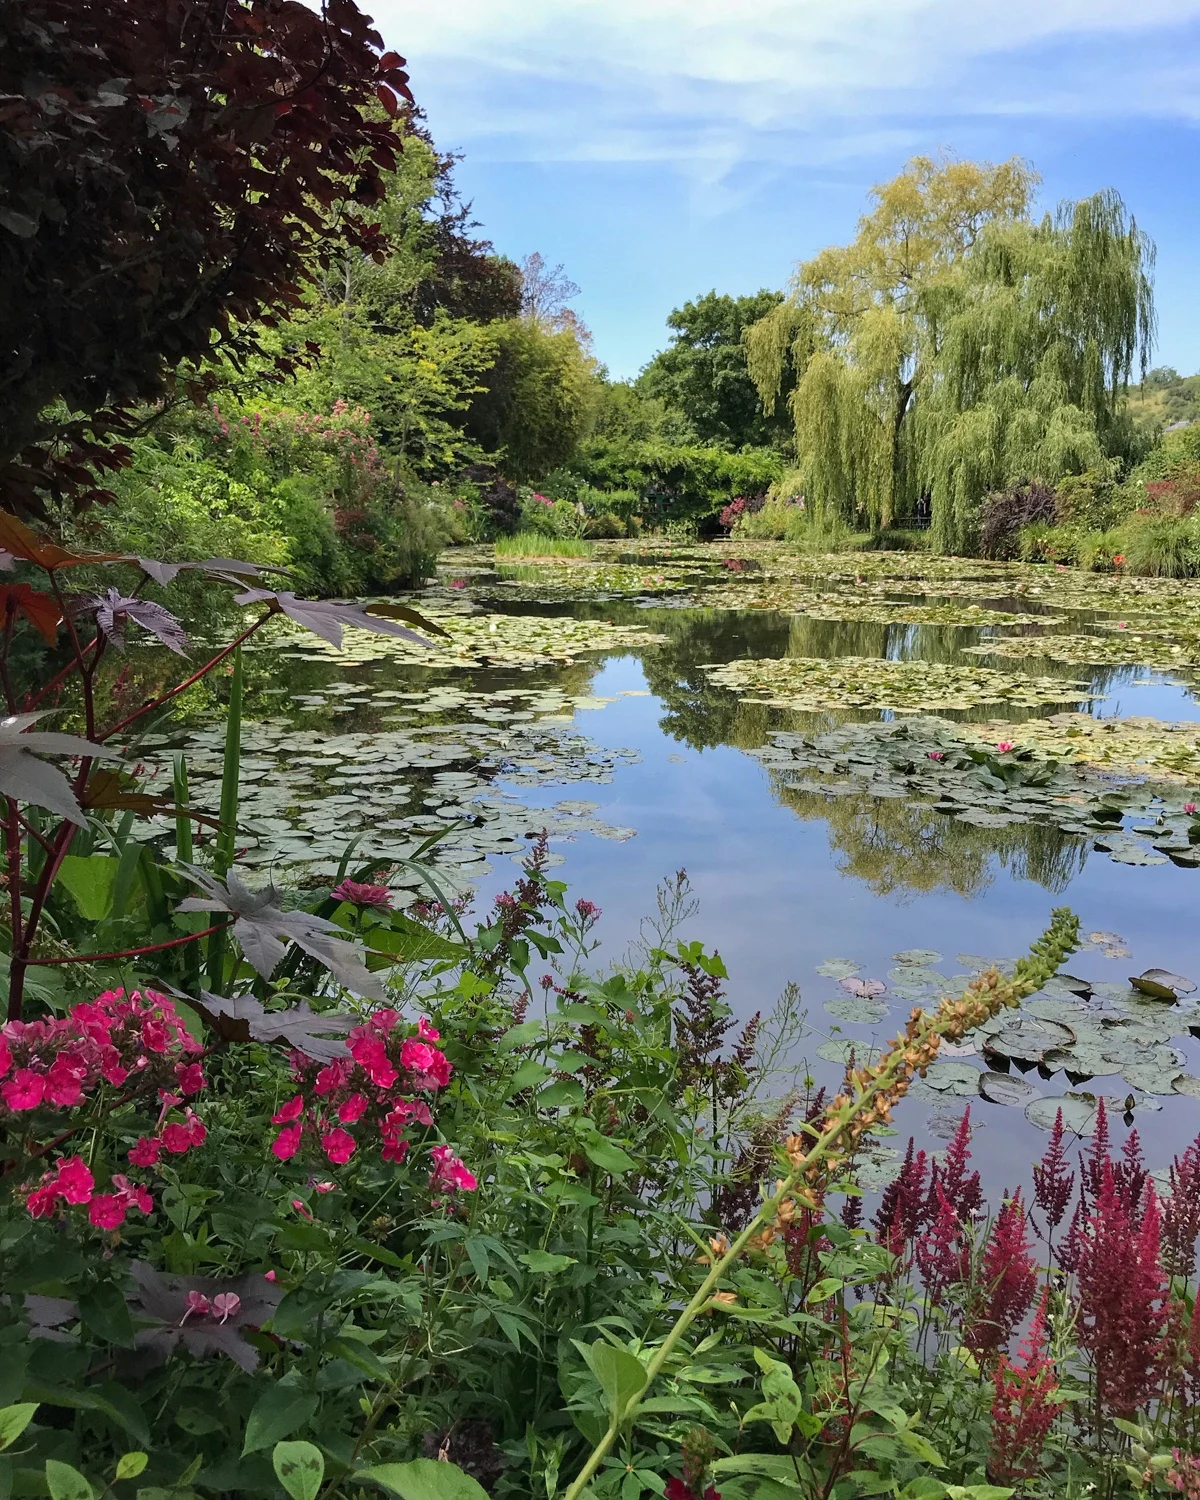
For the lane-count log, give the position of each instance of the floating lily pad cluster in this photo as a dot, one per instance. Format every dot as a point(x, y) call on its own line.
point(944, 766)
point(790, 597)
point(1156, 649)
point(815, 684)
point(1158, 749)
point(474, 640)
point(548, 583)
point(1120, 1035)
point(306, 795)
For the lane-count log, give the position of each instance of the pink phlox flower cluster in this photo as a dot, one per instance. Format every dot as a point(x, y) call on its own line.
point(116, 1038)
point(449, 1171)
point(370, 1090)
point(70, 1183)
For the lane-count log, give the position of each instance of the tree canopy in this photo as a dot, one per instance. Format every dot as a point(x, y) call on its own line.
point(956, 345)
point(703, 374)
point(171, 174)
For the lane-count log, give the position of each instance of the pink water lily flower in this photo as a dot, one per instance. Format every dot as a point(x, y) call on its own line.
point(362, 895)
point(1004, 746)
point(1189, 808)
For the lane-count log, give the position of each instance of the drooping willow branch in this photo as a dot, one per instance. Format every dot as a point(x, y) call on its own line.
point(866, 1100)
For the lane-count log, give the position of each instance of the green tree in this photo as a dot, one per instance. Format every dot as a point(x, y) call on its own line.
point(703, 374)
point(956, 346)
point(537, 399)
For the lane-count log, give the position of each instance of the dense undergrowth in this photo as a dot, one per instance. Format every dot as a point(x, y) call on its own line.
point(307, 1192)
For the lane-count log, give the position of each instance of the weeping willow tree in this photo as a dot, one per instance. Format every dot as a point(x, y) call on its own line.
point(955, 345)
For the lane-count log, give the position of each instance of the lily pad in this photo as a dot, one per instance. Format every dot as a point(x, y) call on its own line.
point(1161, 984)
point(838, 968)
point(920, 958)
point(1078, 1112)
point(862, 1010)
point(863, 987)
point(957, 1078)
point(1006, 1088)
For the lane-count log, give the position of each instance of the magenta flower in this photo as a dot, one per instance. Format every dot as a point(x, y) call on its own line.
point(288, 1112)
point(936, 754)
point(1004, 746)
point(362, 895)
point(226, 1305)
point(74, 1181)
point(107, 1211)
point(458, 583)
point(450, 1172)
point(287, 1142)
point(1189, 808)
point(197, 1305)
point(338, 1145)
point(24, 1090)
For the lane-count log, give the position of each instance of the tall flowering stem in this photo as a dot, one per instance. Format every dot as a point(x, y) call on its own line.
point(865, 1101)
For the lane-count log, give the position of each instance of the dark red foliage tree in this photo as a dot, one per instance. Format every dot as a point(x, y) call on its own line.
point(172, 173)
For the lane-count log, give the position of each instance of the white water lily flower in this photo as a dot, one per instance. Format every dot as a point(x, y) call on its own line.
point(264, 930)
point(25, 778)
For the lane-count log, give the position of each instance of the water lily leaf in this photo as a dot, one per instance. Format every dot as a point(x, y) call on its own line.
point(838, 968)
point(1161, 984)
point(1078, 1112)
point(861, 1010)
point(1187, 1083)
point(1029, 1039)
point(920, 958)
point(1152, 1077)
point(1005, 1088)
point(863, 987)
point(840, 1051)
point(956, 1078)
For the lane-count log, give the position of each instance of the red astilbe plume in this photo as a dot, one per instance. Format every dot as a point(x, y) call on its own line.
point(1181, 1214)
point(960, 1186)
point(1123, 1302)
point(1006, 1285)
point(1023, 1406)
point(1070, 1247)
point(943, 1254)
point(1091, 1166)
point(902, 1209)
point(1130, 1174)
point(1053, 1181)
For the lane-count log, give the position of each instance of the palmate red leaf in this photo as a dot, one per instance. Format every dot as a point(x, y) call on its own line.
point(41, 610)
point(16, 537)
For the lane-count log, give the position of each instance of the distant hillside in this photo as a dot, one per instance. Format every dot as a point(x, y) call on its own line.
point(1165, 397)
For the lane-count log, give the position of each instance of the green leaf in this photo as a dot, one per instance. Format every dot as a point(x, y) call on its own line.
point(520, 1036)
point(543, 1263)
point(528, 1076)
point(14, 1420)
point(566, 1091)
point(425, 1479)
point(606, 1154)
point(66, 1483)
point(978, 1492)
point(130, 1465)
point(276, 1414)
point(91, 879)
point(621, 1374)
point(106, 1313)
point(300, 1468)
point(825, 1288)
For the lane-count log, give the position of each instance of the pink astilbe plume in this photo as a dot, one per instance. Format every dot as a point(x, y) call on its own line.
point(1007, 1283)
point(1181, 1214)
point(1023, 1406)
point(1123, 1302)
point(902, 1209)
point(943, 1254)
point(960, 1186)
point(1053, 1181)
point(1070, 1247)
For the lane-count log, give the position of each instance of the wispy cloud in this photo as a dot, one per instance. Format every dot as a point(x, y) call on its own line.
point(723, 80)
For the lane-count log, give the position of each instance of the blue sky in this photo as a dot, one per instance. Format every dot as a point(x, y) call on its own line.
point(662, 147)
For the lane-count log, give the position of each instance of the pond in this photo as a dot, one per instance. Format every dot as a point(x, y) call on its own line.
point(880, 772)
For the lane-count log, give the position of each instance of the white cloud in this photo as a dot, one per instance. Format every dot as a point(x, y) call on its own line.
point(720, 81)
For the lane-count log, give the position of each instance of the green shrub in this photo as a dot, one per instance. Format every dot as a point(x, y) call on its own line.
point(605, 526)
point(1162, 548)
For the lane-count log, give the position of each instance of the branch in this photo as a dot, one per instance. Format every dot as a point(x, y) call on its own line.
point(96, 958)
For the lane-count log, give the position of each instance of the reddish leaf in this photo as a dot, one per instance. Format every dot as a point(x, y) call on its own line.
point(16, 537)
point(41, 610)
